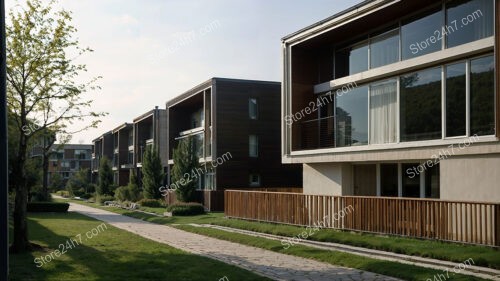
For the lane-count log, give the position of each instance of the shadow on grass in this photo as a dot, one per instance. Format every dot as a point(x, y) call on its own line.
point(113, 255)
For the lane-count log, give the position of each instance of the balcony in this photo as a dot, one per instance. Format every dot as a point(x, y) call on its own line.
point(328, 132)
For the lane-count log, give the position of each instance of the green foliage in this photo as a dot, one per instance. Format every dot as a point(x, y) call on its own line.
point(185, 162)
point(56, 182)
point(79, 183)
point(186, 209)
point(152, 171)
point(130, 192)
point(153, 203)
point(105, 177)
point(48, 207)
point(63, 193)
point(100, 199)
point(37, 194)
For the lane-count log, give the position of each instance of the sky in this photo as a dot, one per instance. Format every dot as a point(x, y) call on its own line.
point(149, 51)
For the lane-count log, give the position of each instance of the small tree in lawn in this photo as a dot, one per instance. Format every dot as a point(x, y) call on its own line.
point(185, 162)
point(133, 187)
point(105, 177)
point(152, 173)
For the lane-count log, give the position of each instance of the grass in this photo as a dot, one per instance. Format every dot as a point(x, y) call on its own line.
point(113, 254)
point(389, 268)
point(482, 256)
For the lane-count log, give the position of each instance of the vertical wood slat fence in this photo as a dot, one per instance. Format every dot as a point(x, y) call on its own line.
point(468, 222)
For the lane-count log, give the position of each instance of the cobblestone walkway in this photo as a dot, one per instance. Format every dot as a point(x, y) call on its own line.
point(267, 263)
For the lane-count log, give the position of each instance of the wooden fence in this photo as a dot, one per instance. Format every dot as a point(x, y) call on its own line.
point(468, 222)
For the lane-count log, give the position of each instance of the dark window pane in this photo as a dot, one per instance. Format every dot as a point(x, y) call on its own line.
point(422, 35)
point(421, 105)
point(432, 182)
point(358, 59)
point(468, 21)
point(482, 95)
point(352, 117)
point(384, 49)
point(341, 63)
point(455, 100)
point(411, 181)
point(389, 180)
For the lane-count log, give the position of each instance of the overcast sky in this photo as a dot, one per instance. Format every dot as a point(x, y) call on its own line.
point(149, 51)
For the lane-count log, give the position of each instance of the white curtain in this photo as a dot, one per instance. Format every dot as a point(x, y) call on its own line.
point(383, 113)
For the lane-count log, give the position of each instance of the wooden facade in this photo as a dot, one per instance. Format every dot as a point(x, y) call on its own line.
point(467, 222)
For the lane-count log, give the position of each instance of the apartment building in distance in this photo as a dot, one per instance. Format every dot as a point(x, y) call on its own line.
point(396, 99)
point(150, 129)
point(236, 127)
point(67, 159)
point(102, 147)
point(123, 153)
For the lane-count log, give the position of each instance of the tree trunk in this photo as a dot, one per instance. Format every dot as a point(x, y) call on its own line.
point(21, 242)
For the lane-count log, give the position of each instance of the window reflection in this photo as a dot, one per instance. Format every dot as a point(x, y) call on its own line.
point(421, 105)
point(482, 96)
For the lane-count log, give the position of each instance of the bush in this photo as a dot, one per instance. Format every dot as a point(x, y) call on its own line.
point(100, 199)
point(86, 196)
point(152, 203)
point(127, 193)
point(63, 193)
point(47, 207)
point(186, 209)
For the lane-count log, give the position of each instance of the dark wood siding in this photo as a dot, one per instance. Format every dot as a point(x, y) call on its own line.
point(233, 127)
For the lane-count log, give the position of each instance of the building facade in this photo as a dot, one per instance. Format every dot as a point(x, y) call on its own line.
point(102, 147)
point(68, 159)
point(235, 125)
point(397, 99)
point(123, 153)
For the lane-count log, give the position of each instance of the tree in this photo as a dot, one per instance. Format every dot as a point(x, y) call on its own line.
point(56, 182)
point(79, 183)
point(152, 173)
point(105, 177)
point(133, 187)
point(185, 162)
point(42, 87)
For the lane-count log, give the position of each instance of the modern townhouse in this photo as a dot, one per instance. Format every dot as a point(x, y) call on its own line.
point(68, 159)
point(123, 153)
point(396, 99)
point(102, 147)
point(150, 129)
point(236, 127)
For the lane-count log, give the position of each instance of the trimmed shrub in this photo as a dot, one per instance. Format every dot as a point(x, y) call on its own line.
point(186, 209)
point(122, 193)
point(152, 203)
point(100, 199)
point(63, 193)
point(47, 207)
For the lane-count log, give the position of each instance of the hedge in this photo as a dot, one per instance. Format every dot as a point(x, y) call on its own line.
point(47, 207)
point(186, 209)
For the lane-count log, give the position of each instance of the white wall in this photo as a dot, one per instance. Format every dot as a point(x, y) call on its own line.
point(327, 179)
point(471, 178)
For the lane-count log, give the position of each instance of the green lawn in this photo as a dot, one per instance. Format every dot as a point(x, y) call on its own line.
point(482, 256)
point(112, 254)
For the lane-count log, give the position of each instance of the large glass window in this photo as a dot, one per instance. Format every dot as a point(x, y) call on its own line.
point(358, 59)
point(389, 180)
point(383, 112)
point(384, 49)
point(422, 35)
point(410, 180)
point(421, 105)
point(455, 100)
point(468, 21)
point(352, 117)
point(482, 96)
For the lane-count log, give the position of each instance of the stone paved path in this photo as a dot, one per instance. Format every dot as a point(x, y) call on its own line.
point(267, 263)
